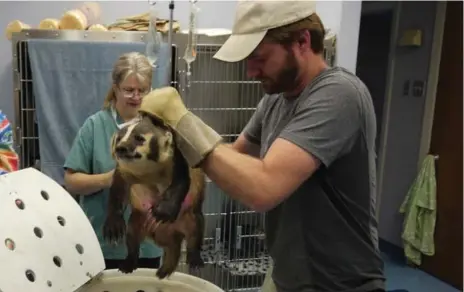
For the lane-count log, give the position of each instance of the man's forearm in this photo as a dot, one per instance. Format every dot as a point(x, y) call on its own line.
point(241, 176)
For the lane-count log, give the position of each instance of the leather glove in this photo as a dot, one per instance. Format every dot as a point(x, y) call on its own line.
point(194, 138)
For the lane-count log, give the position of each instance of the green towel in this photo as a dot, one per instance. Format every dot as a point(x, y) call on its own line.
point(420, 207)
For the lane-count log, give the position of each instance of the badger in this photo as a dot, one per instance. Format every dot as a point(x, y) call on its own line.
point(164, 193)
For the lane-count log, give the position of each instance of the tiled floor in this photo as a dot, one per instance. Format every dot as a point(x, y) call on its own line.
point(401, 276)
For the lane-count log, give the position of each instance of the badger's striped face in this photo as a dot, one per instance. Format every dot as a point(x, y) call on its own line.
point(142, 142)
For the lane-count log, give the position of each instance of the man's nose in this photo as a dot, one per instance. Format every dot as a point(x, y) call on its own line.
point(252, 72)
point(252, 69)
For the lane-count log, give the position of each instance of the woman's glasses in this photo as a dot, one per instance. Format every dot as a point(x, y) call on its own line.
point(132, 92)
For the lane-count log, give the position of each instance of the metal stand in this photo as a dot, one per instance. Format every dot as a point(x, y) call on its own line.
point(171, 19)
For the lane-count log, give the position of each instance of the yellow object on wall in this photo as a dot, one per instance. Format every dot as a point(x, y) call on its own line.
point(411, 38)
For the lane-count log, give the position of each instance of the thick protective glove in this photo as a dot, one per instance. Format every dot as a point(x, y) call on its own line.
point(195, 139)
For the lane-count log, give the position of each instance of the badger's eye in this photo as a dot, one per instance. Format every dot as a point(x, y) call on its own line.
point(139, 138)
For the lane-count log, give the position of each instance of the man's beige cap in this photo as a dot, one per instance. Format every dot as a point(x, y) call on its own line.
point(253, 18)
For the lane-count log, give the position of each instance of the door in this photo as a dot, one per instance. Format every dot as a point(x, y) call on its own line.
point(446, 142)
point(372, 60)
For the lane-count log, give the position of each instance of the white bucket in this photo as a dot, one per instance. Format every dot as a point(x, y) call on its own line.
point(48, 244)
point(145, 280)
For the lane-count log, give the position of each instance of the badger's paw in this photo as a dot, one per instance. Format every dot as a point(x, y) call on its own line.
point(128, 265)
point(194, 259)
point(162, 273)
point(166, 211)
point(114, 228)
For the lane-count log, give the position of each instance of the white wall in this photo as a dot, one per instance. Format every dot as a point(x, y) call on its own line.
point(341, 16)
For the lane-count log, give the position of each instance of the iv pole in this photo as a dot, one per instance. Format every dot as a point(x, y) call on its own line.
point(171, 19)
point(155, 39)
point(191, 50)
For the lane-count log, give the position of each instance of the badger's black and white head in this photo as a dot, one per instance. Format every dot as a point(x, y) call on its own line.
point(143, 146)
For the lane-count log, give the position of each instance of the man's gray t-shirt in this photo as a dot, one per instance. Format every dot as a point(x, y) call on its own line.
point(324, 236)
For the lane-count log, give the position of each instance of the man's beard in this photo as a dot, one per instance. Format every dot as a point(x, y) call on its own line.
point(285, 80)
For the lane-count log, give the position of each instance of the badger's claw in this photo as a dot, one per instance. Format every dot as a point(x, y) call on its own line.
point(194, 259)
point(114, 228)
point(162, 273)
point(150, 222)
point(128, 265)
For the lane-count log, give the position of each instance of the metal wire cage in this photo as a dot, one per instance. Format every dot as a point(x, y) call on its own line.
point(220, 94)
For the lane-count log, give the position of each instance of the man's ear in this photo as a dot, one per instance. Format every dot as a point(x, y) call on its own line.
point(304, 40)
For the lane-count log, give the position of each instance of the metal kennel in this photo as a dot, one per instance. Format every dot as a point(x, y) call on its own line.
point(222, 96)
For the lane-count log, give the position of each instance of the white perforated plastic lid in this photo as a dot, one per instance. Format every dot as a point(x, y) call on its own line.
point(48, 243)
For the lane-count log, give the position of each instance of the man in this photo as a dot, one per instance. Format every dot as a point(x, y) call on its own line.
point(315, 131)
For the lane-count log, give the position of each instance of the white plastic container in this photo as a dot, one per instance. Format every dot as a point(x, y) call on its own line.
point(49, 245)
point(146, 281)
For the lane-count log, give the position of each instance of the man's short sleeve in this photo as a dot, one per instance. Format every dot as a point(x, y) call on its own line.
point(327, 123)
point(254, 126)
point(80, 156)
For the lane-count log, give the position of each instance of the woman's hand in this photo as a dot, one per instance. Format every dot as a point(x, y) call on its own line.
point(87, 184)
point(108, 179)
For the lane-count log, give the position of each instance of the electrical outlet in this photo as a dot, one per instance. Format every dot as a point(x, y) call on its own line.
point(418, 88)
point(406, 86)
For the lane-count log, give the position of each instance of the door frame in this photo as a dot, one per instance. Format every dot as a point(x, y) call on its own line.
point(396, 8)
point(432, 82)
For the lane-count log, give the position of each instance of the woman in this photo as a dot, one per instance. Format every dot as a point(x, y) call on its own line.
point(8, 157)
point(89, 166)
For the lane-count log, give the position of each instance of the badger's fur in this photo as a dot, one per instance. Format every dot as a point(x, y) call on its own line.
point(154, 178)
